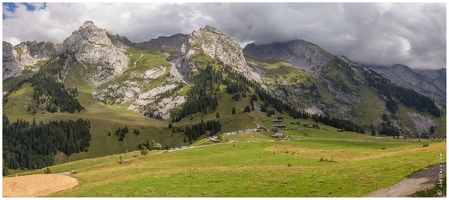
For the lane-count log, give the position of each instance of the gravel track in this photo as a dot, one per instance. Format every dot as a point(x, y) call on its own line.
point(424, 179)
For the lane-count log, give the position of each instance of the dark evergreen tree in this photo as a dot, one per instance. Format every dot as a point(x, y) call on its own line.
point(34, 146)
point(247, 109)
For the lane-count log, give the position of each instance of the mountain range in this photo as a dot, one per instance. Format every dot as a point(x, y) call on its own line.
point(154, 78)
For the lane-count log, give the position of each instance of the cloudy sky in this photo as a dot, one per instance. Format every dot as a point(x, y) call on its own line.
point(406, 33)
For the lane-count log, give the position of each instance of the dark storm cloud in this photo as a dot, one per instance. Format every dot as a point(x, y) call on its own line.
point(412, 34)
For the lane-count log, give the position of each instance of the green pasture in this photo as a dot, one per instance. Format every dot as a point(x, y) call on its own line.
point(255, 167)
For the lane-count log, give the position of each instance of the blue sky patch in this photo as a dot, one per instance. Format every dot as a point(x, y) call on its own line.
point(11, 7)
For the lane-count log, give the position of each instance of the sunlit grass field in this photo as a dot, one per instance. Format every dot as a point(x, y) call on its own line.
point(256, 166)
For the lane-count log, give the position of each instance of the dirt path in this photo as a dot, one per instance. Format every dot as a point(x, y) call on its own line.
point(418, 181)
point(36, 185)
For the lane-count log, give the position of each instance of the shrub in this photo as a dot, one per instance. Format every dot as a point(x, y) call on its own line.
point(47, 170)
point(425, 145)
point(144, 151)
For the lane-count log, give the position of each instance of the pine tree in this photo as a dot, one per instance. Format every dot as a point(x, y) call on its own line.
point(218, 115)
point(233, 110)
point(247, 109)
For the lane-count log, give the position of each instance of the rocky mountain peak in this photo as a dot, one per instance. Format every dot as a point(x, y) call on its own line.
point(210, 29)
point(218, 45)
point(300, 53)
point(88, 24)
point(92, 45)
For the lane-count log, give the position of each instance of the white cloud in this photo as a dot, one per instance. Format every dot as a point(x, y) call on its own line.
point(384, 33)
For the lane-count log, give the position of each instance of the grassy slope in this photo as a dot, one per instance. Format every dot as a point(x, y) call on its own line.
point(104, 118)
point(108, 118)
point(370, 108)
point(258, 168)
point(367, 112)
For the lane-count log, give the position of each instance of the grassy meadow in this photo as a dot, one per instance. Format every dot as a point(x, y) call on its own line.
point(256, 166)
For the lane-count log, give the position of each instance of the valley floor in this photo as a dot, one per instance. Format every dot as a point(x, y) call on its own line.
point(258, 166)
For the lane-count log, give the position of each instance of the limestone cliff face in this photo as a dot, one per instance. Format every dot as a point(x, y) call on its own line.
point(15, 58)
point(11, 67)
point(29, 52)
point(216, 45)
point(92, 45)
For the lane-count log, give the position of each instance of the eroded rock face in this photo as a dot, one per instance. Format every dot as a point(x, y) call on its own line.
point(216, 45)
point(422, 123)
point(153, 104)
point(119, 93)
point(11, 67)
point(300, 53)
point(92, 45)
point(15, 58)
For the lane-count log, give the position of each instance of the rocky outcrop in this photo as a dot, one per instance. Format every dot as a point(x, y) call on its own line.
point(422, 123)
point(93, 46)
point(11, 67)
point(153, 103)
point(119, 93)
point(300, 53)
point(431, 83)
point(28, 53)
point(121, 41)
point(217, 45)
point(15, 58)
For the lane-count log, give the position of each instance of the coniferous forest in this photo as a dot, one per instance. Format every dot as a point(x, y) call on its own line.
point(33, 146)
point(196, 130)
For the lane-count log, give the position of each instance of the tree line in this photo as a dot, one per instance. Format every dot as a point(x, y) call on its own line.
point(54, 94)
point(202, 97)
point(338, 123)
point(196, 130)
point(33, 146)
